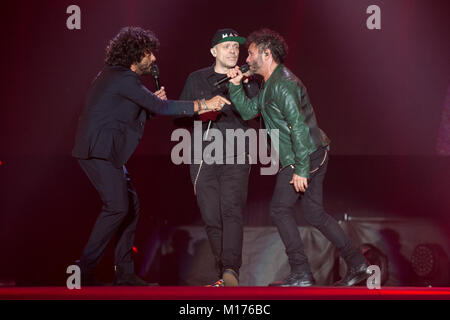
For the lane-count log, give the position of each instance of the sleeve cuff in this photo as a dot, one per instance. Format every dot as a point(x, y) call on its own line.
point(302, 172)
point(234, 87)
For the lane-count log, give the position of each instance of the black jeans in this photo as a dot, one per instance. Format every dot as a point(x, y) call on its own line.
point(118, 217)
point(221, 191)
point(282, 209)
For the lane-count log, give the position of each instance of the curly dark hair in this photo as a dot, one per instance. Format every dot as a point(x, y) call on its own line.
point(129, 46)
point(268, 39)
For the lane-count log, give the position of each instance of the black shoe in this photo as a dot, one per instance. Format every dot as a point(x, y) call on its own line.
point(354, 276)
point(89, 281)
point(87, 276)
point(304, 279)
point(128, 279)
point(230, 278)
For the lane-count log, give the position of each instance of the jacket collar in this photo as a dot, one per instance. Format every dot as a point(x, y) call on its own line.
point(211, 70)
point(273, 77)
point(123, 69)
point(275, 74)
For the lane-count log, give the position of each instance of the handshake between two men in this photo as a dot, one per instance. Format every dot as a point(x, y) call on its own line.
point(200, 106)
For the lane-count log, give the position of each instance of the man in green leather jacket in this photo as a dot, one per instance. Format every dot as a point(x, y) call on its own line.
point(303, 150)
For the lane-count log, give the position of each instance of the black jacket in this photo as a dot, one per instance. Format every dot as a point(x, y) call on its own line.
point(200, 85)
point(113, 120)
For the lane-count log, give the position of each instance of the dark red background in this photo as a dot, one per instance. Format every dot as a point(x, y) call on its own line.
point(379, 95)
point(375, 91)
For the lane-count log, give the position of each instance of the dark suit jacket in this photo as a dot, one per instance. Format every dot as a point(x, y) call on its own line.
point(113, 120)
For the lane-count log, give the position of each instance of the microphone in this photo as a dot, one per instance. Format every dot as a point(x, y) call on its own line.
point(244, 68)
point(154, 71)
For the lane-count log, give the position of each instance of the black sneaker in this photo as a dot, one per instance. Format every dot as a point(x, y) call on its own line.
point(304, 279)
point(128, 279)
point(87, 276)
point(355, 275)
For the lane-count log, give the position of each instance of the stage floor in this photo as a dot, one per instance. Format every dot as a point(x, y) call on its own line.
point(236, 293)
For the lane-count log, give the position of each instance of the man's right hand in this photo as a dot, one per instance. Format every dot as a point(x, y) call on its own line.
point(215, 104)
point(236, 75)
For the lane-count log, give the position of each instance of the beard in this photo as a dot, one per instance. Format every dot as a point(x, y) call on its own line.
point(255, 65)
point(144, 67)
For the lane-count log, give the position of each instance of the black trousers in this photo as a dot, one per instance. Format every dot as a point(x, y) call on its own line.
point(118, 217)
point(221, 195)
point(282, 213)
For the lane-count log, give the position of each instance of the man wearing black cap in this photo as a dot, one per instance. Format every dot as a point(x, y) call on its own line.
point(221, 186)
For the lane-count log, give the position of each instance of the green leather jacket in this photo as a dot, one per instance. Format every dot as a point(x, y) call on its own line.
point(284, 105)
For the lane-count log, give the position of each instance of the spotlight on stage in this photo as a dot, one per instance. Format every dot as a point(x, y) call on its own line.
point(375, 256)
point(430, 264)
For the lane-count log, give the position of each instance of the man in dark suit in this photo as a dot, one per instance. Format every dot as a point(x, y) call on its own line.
point(109, 131)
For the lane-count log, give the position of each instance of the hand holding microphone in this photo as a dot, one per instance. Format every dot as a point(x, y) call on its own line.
point(235, 75)
point(160, 91)
point(244, 68)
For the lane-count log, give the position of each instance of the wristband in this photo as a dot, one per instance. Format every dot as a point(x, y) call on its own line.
point(205, 107)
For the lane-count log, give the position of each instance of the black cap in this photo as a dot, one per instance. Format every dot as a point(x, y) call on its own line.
point(223, 35)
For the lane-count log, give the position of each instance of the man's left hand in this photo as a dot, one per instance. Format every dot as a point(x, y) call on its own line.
point(235, 75)
point(161, 93)
point(300, 183)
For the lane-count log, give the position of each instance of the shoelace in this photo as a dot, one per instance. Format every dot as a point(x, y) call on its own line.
point(292, 276)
